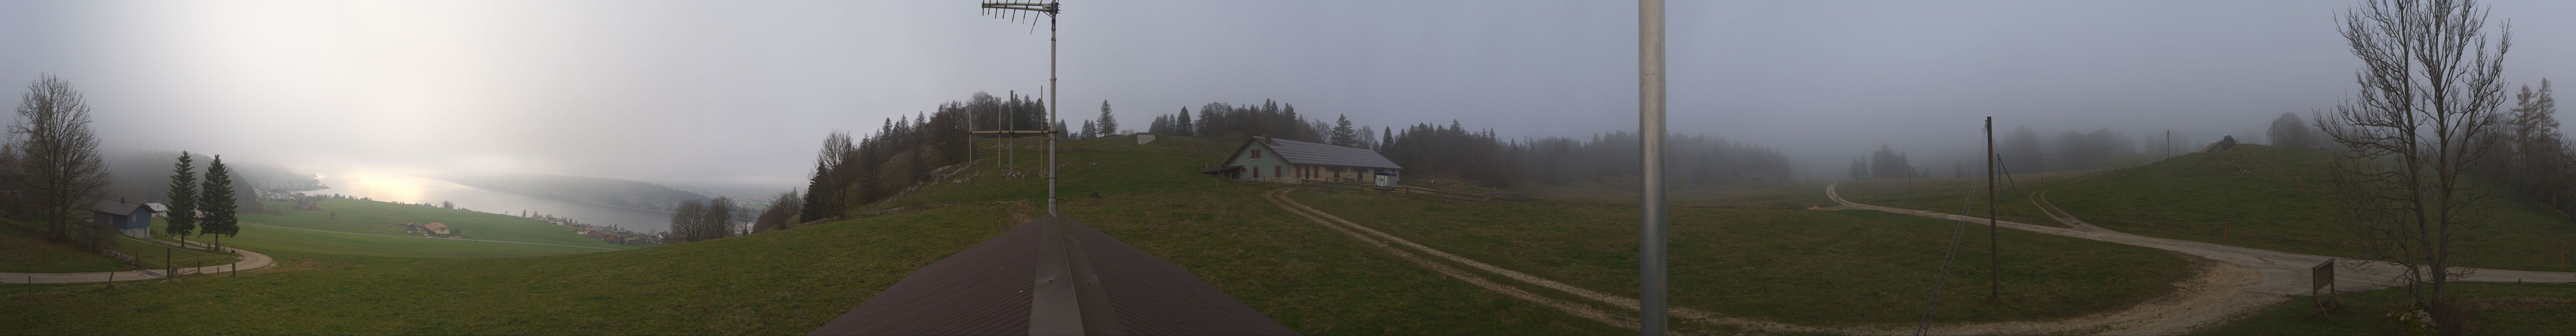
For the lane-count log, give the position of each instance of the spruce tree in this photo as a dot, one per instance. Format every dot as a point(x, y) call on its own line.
point(183, 199)
point(1108, 123)
point(1343, 134)
point(1181, 125)
point(1388, 139)
point(820, 184)
point(216, 200)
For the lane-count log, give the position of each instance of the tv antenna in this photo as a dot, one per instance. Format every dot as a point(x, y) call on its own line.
point(1016, 11)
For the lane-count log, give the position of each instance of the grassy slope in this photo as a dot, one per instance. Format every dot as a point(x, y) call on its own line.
point(777, 283)
point(1305, 276)
point(41, 256)
point(1958, 195)
point(29, 252)
point(364, 216)
point(1758, 194)
point(372, 217)
point(2254, 196)
point(1799, 266)
point(2495, 309)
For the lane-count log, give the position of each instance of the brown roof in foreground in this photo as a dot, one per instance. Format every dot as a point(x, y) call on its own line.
point(991, 288)
point(434, 226)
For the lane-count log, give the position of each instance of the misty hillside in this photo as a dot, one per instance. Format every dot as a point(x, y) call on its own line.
point(593, 190)
point(145, 175)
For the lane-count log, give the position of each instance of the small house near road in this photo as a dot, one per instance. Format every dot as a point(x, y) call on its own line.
point(130, 218)
point(1289, 161)
point(437, 229)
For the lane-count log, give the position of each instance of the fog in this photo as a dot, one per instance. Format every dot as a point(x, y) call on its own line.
point(737, 95)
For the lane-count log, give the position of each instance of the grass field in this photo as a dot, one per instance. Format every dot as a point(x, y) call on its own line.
point(1797, 266)
point(1305, 276)
point(1107, 166)
point(29, 252)
point(2492, 309)
point(374, 217)
point(761, 284)
point(365, 232)
point(791, 281)
point(2254, 196)
point(1751, 194)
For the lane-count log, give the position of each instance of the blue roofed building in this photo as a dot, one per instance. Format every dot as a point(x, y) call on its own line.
point(130, 218)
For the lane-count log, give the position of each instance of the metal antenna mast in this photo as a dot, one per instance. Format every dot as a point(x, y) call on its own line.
point(1050, 8)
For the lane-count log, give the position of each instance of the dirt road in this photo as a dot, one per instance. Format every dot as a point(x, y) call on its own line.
point(2217, 293)
point(250, 261)
point(2275, 274)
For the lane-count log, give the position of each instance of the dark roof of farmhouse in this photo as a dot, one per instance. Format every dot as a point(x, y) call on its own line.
point(1052, 275)
point(1301, 152)
point(120, 207)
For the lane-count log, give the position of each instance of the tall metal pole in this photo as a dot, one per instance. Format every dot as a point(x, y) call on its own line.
point(1650, 129)
point(1012, 123)
point(1994, 251)
point(1051, 9)
point(1052, 104)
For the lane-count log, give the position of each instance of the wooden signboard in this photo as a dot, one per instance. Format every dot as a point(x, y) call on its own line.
point(2321, 278)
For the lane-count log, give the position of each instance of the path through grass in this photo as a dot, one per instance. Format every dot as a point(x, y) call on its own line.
point(2493, 309)
point(1795, 266)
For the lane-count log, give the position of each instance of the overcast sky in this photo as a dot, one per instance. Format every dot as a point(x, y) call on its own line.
point(740, 93)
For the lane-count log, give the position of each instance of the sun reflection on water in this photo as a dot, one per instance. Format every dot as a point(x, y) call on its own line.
point(378, 186)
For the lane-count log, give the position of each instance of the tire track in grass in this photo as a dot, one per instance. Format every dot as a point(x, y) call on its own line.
point(2210, 294)
point(1623, 302)
point(1280, 199)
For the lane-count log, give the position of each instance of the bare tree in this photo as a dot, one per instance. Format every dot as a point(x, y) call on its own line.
point(717, 221)
point(780, 214)
point(685, 220)
point(2430, 86)
point(59, 155)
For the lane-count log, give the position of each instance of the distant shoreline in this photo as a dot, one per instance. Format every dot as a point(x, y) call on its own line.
point(566, 200)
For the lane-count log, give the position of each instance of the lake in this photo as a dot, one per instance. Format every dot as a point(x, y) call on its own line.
point(412, 189)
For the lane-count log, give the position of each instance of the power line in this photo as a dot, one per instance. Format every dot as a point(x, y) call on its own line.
point(2126, 143)
point(2242, 130)
point(1941, 280)
point(2079, 151)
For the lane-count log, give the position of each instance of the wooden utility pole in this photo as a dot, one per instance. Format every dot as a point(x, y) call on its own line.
point(1651, 282)
point(1994, 250)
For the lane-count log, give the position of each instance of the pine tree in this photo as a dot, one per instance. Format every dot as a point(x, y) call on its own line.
point(814, 187)
point(1859, 168)
point(1343, 134)
point(183, 199)
point(216, 200)
point(1089, 130)
point(1387, 139)
point(1108, 123)
point(1181, 124)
